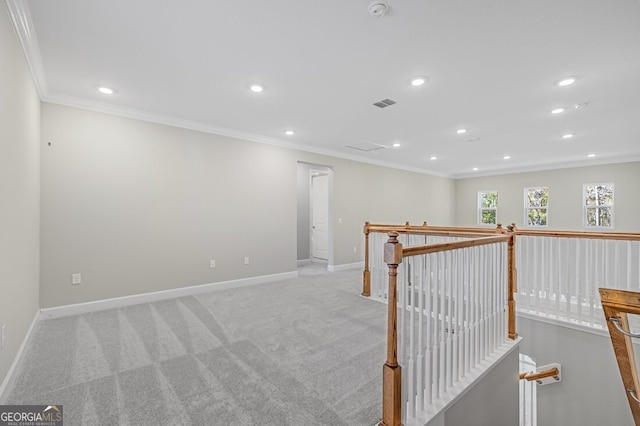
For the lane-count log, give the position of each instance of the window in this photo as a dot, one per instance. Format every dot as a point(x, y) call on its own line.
point(598, 205)
point(536, 206)
point(487, 207)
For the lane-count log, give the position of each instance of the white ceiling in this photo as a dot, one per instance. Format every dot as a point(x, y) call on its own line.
point(491, 67)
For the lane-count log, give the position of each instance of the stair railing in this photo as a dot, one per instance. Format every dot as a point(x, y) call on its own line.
point(449, 309)
point(559, 272)
point(617, 305)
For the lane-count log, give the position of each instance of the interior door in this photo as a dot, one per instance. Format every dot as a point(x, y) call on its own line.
point(319, 215)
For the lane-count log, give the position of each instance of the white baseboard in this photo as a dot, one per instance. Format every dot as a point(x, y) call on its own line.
point(118, 302)
point(8, 381)
point(346, 266)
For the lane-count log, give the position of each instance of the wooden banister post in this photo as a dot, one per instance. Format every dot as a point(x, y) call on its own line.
point(366, 275)
point(391, 371)
point(512, 285)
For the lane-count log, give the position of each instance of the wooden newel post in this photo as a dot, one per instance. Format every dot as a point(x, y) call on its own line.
point(366, 275)
point(512, 285)
point(391, 371)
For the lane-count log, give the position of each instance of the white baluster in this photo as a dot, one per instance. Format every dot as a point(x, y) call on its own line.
point(420, 371)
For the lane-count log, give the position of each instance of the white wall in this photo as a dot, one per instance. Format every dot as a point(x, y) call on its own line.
point(565, 195)
point(138, 207)
point(591, 390)
point(19, 193)
point(493, 401)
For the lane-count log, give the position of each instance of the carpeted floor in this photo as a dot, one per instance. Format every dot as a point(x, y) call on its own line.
point(307, 351)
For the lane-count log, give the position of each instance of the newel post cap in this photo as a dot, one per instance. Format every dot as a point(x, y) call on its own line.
point(393, 250)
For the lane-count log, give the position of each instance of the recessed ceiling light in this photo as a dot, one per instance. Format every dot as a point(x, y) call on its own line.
point(289, 132)
point(105, 90)
point(433, 157)
point(461, 131)
point(256, 88)
point(591, 155)
point(566, 81)
point(418, 81)
point(396, 145)
point(507, 157)
point(567, 136)
point(581, 105)
point(475, 169)
point(557, 110)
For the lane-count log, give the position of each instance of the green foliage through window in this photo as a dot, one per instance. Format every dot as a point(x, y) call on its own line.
point(598, 205)
point(487, 207)
point(536, 206)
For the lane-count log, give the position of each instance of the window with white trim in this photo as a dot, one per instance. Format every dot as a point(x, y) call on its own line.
point(598, 205)
point(487, 207)
point(536, 206)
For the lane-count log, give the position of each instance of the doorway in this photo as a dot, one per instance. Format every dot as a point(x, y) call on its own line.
point(314, 227)
point(319, 214)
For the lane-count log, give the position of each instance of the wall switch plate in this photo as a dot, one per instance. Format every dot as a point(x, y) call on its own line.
point(212, 264)
point(3, 335)
point(246, 260)
point(76, 279)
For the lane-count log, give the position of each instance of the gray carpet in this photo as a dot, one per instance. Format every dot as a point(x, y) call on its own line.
point(307, 351)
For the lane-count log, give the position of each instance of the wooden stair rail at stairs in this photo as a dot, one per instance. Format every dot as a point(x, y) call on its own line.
point(537, 375)
point(393, 256)
point(617, 304)
point(423, 229)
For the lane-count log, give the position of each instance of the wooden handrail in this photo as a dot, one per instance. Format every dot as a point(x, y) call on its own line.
point(423, 229)
point(457, 230)
point(616, 304)
point(580, 234)
point(426, 229)
point(476, 236)
point(454, 245)
point(537, 375)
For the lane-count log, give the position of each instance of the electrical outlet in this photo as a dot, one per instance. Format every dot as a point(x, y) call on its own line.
point(76, 279)
point(3, 335)
point(246, 260)
point(212, 264)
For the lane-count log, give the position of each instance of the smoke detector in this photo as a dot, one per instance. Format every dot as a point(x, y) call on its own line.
point(378, 8)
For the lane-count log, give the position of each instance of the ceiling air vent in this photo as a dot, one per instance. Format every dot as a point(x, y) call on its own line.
point(366, 146)
point(384, 103)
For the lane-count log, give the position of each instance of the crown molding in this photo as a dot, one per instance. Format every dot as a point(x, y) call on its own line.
point(550, 166)
point(91, 105)
point(21, 17)
point(87, 104)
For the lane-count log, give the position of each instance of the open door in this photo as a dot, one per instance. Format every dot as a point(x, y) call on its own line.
point(319, 214)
